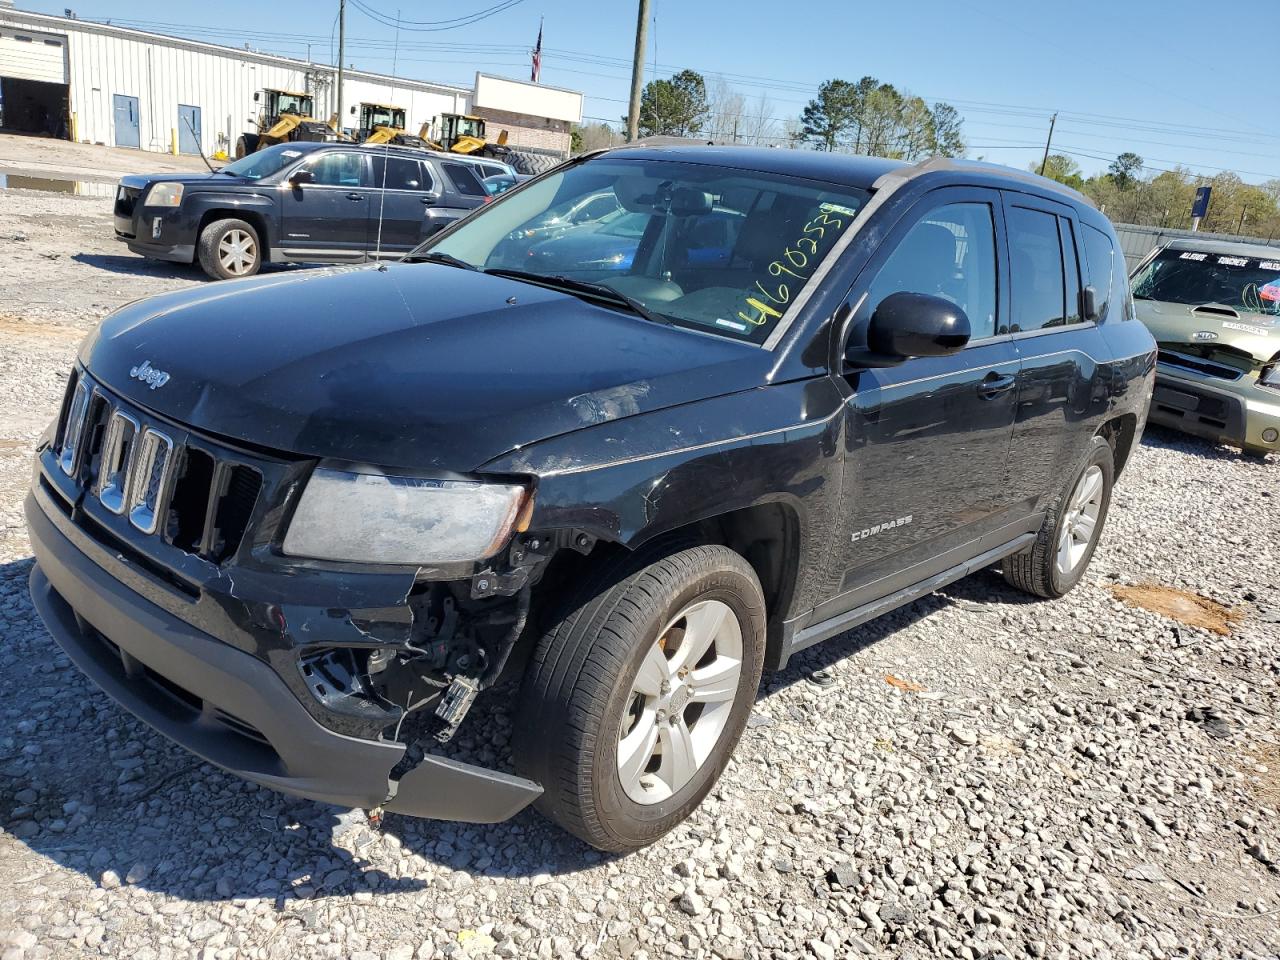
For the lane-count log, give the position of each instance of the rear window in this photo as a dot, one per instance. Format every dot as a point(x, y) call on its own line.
point(1101, 257)
point(1245, 283)
point(464, 180)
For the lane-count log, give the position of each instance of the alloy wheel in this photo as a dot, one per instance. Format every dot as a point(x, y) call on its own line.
point(680, 701)
point(1080, 524)
point(237, 252)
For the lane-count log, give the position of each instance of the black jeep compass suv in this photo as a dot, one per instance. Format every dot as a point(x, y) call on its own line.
point(303, 526)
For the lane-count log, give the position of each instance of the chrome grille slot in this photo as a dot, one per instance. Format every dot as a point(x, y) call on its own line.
point(148, 477)
point(114, 466)
point(187, 490)
point(73, 430)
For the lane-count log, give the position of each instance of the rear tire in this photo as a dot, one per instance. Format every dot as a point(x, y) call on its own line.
point(609, 680)
point(1058, 558)
point(246, 144)
point(229, 249)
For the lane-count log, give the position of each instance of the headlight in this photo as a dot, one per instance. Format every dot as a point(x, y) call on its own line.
point(1270, 376)
point(372, 518)
point(165, 195)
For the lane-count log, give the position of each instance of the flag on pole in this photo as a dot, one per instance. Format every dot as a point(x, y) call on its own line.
point(537, 56)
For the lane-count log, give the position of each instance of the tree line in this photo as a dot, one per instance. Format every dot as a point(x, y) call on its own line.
point(872, 117)
point(1163, 198)
point(866, 117)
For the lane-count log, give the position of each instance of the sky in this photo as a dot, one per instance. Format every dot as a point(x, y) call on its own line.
point(1171, 80)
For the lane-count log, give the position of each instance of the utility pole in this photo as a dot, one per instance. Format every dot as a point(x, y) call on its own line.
point(1045, 162)
point(342, 52)
point(637, 72)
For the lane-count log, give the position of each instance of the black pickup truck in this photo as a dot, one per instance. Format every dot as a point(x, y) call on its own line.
point(300, 203)
point(306, 548)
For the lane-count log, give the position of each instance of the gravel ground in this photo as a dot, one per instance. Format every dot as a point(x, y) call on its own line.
point(976, 775)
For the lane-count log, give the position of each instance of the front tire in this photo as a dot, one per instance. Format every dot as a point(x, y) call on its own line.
point(636, 696)
point(1058, 558)
point(229, 249)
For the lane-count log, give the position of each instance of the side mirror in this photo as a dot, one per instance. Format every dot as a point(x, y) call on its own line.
point(299, 177)
point(911, 325)
point(257, 97)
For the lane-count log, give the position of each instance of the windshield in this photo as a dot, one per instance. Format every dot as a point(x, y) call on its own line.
point(293, 103)
point(1249, 284)
point(263, 163)
point(385, 117)
point(716, 249)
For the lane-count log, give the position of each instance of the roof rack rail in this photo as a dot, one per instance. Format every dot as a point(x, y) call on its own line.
point(936, 164)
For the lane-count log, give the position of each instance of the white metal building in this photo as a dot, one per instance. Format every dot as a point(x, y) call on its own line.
point(98, 83)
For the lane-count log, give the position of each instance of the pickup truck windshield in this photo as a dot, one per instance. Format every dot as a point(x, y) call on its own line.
point(720, 250)
point(1245, 283)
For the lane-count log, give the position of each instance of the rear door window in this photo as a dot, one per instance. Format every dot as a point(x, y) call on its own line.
point(401, 173)
point(464, 180)
point(1038, 282)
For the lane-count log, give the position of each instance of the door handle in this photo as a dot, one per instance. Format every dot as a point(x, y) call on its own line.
point(994, 384)
point(355, 196)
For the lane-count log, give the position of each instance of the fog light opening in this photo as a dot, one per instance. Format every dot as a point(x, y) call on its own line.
point(1270, 435)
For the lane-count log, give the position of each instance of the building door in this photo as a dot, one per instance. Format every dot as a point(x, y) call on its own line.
point(189, 129)
point(126, 117)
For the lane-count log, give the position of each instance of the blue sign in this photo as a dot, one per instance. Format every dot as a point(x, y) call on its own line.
point(1201, 205)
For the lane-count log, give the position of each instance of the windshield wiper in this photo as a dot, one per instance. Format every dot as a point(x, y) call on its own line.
point(438, 256)
point(597, 290)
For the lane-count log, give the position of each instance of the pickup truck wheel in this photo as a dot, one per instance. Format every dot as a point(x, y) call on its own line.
point(636, 696)
point(229, 249)
point(1057, 560)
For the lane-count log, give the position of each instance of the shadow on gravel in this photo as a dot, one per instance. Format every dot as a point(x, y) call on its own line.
point(135, 266)
point(1166, 438)
point(973, 592)
point(86, 785)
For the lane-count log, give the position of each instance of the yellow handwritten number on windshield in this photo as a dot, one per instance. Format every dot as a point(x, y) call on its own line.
point(795, 261)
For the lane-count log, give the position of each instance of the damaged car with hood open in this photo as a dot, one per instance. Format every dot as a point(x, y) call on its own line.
point(1214, 308)
point(304, 524)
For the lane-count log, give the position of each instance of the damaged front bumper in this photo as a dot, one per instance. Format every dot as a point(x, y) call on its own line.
point(227, 706)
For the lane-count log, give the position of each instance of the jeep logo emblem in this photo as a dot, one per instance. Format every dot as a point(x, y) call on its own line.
point(153, 377)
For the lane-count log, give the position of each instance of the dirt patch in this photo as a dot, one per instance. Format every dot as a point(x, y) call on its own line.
point(14, 327)
point(1263, 773)
point(1180, 605)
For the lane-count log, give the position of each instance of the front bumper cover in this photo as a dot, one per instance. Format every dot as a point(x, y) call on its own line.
point(1237, 415)
point(230, 708)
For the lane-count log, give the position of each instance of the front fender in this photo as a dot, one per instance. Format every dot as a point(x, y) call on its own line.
point(634, 479)
point(261, 203)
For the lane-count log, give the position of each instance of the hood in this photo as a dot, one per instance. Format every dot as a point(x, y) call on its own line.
point(140, 181)
point(1212, 326)
point(418, 366)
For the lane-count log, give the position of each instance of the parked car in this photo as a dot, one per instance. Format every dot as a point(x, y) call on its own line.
point(1214, 309)
point(299, 203)
point(306, 549)
point(611, 243)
